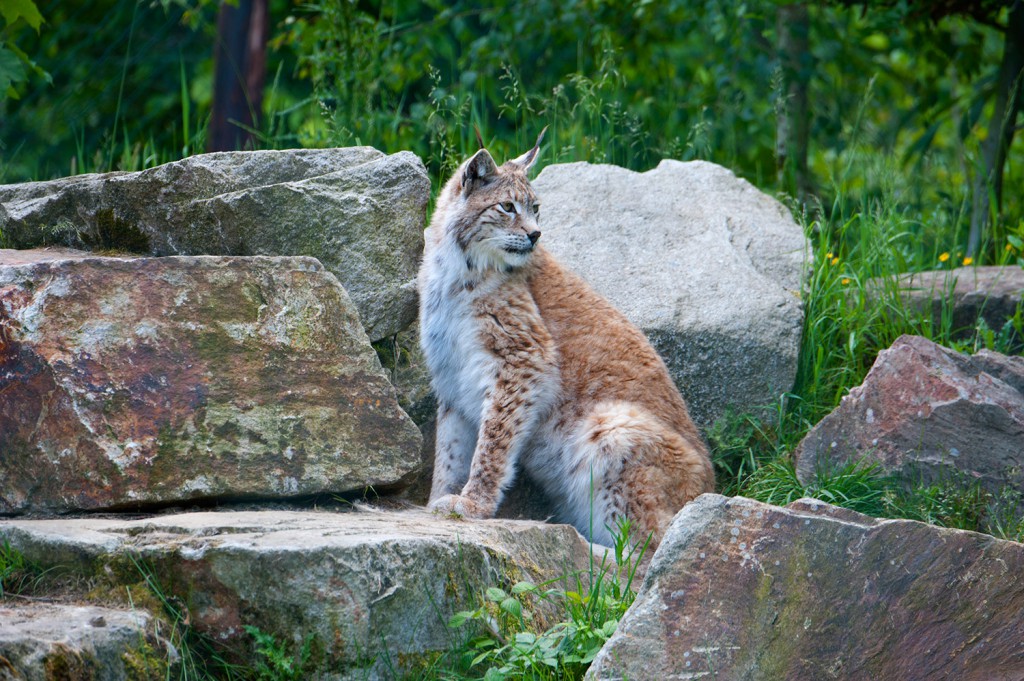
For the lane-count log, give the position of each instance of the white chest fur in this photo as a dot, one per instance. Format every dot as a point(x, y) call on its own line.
point(461, 368)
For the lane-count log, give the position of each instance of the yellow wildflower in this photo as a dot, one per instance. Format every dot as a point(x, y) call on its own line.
point(835, 260)
point(844, 281)
point(943, 257)
point(968, 260)
point(1009, 247)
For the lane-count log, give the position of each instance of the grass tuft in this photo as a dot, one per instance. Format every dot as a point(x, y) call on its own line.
point(18, 575)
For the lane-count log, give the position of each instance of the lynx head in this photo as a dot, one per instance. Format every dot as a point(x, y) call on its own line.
point(491, 211)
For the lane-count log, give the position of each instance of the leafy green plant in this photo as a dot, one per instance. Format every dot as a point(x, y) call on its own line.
point(507, 647)
point(275, 662)
point(15, 65)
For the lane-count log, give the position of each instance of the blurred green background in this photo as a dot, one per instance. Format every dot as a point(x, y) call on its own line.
point(894, 99)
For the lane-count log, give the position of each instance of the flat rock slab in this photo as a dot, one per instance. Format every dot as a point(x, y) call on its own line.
point(744, 590)
point(360, 212)
point(706, 265)
point(133, 381)
point(991, 293)
point(45, 642)
point(374, 589)
point(927, 413)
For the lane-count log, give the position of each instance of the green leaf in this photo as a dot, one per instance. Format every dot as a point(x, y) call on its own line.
point(480, 658)
point(526, 638)
point(12, 10)
point(609, 627)
point(520, 587)
point(458, 619)
point(11, 69)
point(512, 607)
point(495, 594)
point(1015, 241)
point(493, 675)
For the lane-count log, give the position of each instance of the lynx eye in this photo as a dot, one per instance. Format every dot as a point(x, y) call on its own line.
point(536, 209)
point(508, 207)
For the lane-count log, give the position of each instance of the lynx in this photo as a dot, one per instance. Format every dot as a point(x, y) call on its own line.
point(534, 370)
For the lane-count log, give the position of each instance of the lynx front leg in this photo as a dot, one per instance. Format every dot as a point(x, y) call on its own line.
point(523, 391)
point(509, 418)
point(453, 452)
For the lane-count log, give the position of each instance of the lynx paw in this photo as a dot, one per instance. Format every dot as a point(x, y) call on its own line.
point(455, 503)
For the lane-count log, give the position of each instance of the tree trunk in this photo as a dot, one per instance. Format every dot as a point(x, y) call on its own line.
point(239, 72)
point(792, 131)
point(1000, 129)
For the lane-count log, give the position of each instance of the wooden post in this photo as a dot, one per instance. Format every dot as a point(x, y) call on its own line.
point(792, 132)
point(240, 57)
point(1001, 129)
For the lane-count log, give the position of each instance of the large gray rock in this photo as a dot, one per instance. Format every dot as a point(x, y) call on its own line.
point(134, 381)
point(928, 414)
point(52, 642)
point(705, 264)
point(744, 590)
point(374, 589)
point(359, 212)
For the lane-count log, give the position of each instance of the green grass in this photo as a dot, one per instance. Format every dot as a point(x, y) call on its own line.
point(18, 575)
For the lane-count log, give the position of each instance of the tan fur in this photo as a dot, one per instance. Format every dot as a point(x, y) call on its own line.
point(532, 367)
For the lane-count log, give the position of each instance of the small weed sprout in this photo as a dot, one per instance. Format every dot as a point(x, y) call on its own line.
point(274, 662)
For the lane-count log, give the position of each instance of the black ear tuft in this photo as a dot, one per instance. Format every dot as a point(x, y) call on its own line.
point(529, 158)
point(478, 171)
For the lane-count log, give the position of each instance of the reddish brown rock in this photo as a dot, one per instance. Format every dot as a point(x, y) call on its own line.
point(744, 590)
point(130, 381)
point(928, 413)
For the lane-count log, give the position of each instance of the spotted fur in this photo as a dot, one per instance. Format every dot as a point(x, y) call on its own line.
point(534, 370)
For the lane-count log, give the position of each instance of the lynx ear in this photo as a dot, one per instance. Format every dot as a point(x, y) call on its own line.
point(478, 171)
point(529, 158)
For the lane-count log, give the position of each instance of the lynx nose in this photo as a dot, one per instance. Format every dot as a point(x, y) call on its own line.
point(533, 236)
